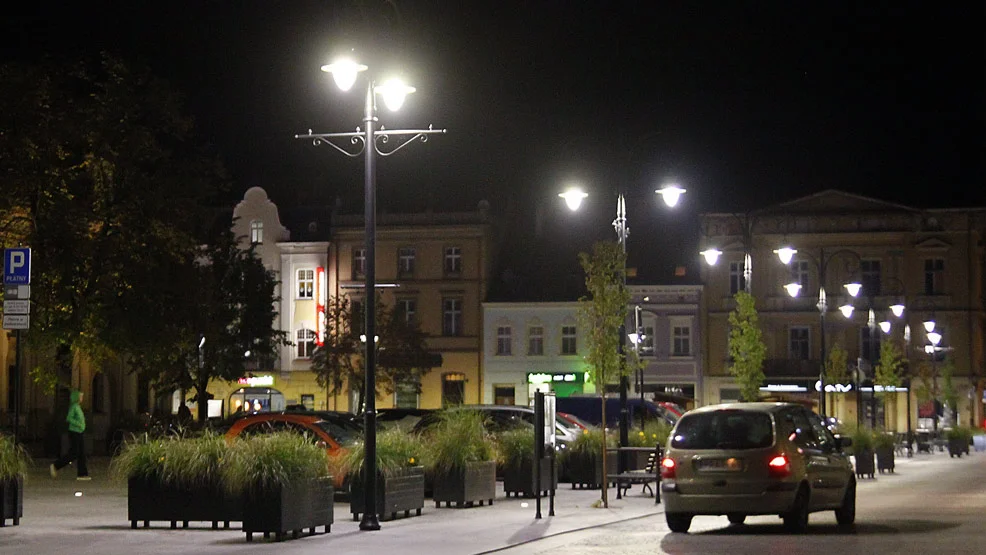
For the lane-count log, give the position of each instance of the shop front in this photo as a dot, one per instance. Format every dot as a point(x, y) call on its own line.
point(257, 396)
point(562, 384)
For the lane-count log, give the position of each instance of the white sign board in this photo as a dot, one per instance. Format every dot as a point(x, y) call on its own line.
point(16, 321)
point(16, 307)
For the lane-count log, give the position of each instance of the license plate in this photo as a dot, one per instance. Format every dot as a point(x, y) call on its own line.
point(732, 464)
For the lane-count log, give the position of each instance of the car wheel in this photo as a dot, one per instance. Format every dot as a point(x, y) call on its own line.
point(796, 521)
point(678, 522)
point(846, 514)
point(736, 518)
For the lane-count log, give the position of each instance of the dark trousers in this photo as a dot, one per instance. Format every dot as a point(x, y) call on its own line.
point(76, 452)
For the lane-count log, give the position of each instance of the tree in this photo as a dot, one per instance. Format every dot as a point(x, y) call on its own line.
point(887, 371)
point(402, 352)
point(836, 368)
point(948, 392)
point(103, 181)
point(746, 347)
point(210, 326)
point(602, 313)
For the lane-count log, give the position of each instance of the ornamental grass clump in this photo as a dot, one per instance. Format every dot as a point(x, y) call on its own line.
point(861, 436)
point(655, 433)
point(13, 458)
point(141, 457)
point(173, 460)
point(458, 438)
point(590, 443)
point(884, 440)
point(515, 448)
point(267, 462)
point(397, 450)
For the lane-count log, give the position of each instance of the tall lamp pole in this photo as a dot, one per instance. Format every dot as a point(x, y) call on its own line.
point(573, 199)
point(368, 143)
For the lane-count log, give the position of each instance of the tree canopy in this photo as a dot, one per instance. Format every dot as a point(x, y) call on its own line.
point(746, 347)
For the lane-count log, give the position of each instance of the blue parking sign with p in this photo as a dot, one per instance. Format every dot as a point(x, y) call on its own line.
point(17, 266)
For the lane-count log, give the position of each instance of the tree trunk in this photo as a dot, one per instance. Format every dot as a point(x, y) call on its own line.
point(605, 484)
point(202, 398)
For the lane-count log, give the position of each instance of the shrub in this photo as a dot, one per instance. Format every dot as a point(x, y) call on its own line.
point(173, 460)
point(516, 447)
point(861, 436)
point(13, 458)
point(590, 443)
point(655, 433)
point(959, 433)
point(396, 450)
point(458, 437)
point(265, 462)
point(884, 440)
point(141, 457)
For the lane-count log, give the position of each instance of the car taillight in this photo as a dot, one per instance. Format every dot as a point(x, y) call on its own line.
point(779, 466)
point(667, 468)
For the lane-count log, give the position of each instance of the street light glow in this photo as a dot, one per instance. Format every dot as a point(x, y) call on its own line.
point(785, 254)
point(934, 337)
point(929, 326)
point(853, 288)
point(711, 255)
point(671, 194)
point(394, 92)
point(846, 310)
point(793, 288)
point(344, 72)
point(897, 309)
point(573, 197)
point(885, 326)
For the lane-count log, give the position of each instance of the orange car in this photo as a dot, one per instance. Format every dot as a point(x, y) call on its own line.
point(333, 431)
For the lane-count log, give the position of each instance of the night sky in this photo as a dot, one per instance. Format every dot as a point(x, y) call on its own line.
point(743, 103)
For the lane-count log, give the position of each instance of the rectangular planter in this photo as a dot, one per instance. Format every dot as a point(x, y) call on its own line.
point(885, 459)
point(12, 500)
point(149, 500)
point(476, 484)
point(865, 465)
point(956, 447)
point(402, 493)
point(291, 508)
point(586, 471)
point(520, 481)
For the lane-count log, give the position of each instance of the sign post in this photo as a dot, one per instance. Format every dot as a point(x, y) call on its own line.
point(17, 313)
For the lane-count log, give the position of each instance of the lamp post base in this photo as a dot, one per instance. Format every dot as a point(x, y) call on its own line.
point(369, 522)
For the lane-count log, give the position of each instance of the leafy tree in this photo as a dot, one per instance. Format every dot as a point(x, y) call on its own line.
point(746, 346)
point(949, 394)
point(887, 371)
point(103, 181)
point(210, 326)
point(601, 314)
point(402, 352)
point(836, 368)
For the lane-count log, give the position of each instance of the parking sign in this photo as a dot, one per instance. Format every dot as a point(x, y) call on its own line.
point(17, 266)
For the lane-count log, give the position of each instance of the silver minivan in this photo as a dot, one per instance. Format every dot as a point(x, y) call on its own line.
point(743, 459)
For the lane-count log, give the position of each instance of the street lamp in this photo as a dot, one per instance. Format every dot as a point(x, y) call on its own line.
point(573, 199)
point(370, 142)
point(786, 255)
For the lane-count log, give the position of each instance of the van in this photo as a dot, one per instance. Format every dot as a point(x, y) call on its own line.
point(590, 409)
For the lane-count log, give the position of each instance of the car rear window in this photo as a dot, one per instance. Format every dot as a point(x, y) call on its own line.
point(724, 429)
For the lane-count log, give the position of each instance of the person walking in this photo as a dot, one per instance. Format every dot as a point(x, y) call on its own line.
point(77, 446)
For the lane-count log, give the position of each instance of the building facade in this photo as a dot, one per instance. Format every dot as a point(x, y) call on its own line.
point(928, 261)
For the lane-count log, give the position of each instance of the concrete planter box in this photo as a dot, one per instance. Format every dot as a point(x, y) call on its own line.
point(11, 500)
point(149, 500)
point(865, 465)
point(289, 508)
point(520, 480)
point(885, 459)
point(957, 447)
point(586, 471)
point(402, 493)
point(475, 484)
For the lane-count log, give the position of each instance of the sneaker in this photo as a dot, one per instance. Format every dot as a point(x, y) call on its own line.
point(84, 478)
point(53, 471)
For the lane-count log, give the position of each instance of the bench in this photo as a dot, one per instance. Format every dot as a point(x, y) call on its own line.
point(650, 474)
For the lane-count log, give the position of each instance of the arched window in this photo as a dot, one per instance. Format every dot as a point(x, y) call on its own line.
point(256, 232)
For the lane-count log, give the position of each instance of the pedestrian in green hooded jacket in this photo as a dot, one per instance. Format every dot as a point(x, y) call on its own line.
point(77, 446)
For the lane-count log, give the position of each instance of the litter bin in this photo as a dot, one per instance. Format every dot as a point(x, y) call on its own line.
point(979, 443)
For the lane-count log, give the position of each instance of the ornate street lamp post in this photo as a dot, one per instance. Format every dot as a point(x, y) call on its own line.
point(370, 142)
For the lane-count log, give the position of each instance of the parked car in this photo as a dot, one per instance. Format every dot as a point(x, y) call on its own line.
point(506, 417)
point(333, 430)
point(576, 422)
point(406, 419)
point(589, 408)
point(745, 459)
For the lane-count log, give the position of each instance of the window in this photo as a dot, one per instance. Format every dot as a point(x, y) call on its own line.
point(737, 281)
point(535, 340)
point(359, 263)
point(724, 429)
point(799, 343)
point(869, 344)
point(568, 345)
point(407, 309)
point(453, 260)
point(358, 318)
point(305, 342)
point(795, 424)
point(453, 389)
point(870, 272)
point(256, 232)
point(504, 395)
point(934, 276)
point(681, 341)
point(308, 401)
point(503, 341)
point(306, 284)
point(452, 316)
point(406, 393)
point(799, 273)
point(405, 261)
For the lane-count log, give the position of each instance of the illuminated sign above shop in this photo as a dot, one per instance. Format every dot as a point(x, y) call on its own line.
point(544, 377)
point(257, 381)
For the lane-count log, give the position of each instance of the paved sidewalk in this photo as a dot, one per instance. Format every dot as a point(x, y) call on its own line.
point(70, 517)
